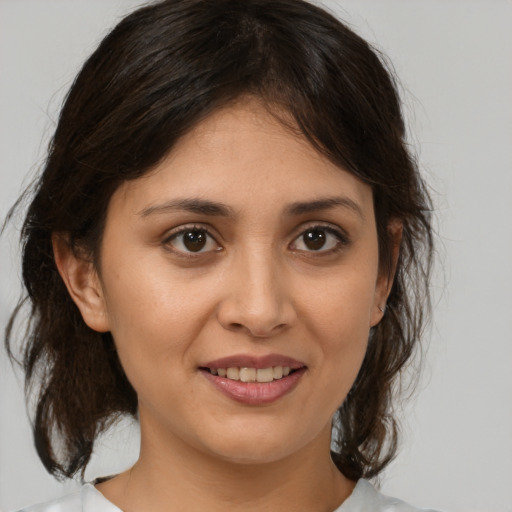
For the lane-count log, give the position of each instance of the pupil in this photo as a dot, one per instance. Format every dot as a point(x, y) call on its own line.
point(314, 239)
point(194, 240)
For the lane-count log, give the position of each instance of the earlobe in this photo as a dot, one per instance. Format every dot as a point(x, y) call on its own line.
point(82, 282)
point(386, 278)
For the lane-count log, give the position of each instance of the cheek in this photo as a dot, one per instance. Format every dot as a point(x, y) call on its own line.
point(153, 316)
point(341, 305)
point(339, 320)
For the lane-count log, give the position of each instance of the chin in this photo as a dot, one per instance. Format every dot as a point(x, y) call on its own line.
point(256, 446)
point(253, 455)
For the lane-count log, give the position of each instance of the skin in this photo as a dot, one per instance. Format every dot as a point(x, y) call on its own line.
point(255, 288)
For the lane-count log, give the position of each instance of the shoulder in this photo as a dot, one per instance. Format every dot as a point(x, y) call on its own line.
point(69, 503)
point(87, 499)
point(365, 497)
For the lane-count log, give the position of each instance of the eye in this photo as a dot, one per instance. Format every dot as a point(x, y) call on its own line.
point(192, 241)
point(319, 239)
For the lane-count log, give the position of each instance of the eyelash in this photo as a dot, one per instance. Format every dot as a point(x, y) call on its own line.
point(342, 240)
point(167, 242)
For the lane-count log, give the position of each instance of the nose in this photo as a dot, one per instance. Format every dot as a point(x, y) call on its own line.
point(257, 299)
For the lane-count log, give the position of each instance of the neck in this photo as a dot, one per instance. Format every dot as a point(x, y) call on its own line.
point(180, 477)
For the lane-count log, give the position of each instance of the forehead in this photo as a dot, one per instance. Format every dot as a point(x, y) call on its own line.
point(243, 155)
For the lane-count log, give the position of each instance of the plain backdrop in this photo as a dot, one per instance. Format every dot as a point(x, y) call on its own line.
point(454, 59)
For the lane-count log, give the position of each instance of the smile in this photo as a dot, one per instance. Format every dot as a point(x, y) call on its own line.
point(245, 374)
point(253, 380)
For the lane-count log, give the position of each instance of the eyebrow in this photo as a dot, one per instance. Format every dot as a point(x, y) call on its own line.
point(217, 209)
point(193, 205)
point(326, 203)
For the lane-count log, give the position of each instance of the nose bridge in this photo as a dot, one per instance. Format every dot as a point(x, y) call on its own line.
point(256, 298)
point(261, 277)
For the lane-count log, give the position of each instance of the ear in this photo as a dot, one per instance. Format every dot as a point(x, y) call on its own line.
point(387, 276)
point(82, 282)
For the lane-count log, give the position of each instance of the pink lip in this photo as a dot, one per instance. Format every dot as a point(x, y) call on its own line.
point(255, 393)
point(249, 361)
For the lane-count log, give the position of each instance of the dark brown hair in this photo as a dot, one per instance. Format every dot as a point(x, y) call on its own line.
point(164, 68)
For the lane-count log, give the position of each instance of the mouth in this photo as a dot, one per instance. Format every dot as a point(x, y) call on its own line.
point(245, 374)
point(254, 381)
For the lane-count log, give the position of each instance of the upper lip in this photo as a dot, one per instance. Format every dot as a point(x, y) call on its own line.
point(252, 361)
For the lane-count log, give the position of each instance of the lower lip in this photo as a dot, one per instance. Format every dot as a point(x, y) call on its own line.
point(256, 393)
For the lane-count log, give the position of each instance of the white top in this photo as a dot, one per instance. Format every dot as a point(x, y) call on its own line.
point(364, 498)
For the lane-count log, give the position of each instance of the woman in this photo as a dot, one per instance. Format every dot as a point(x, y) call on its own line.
point(230, 242)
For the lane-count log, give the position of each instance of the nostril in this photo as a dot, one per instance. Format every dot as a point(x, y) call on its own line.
point(257, 331)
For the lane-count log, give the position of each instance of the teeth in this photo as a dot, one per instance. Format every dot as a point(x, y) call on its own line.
point(265, 375)
point(245, 374)
point(233, 373)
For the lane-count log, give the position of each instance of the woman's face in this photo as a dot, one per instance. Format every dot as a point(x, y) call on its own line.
point(245, 255)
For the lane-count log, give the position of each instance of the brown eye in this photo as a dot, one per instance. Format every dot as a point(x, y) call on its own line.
point(319, 239)
point(195, 240)
point(192, 241)
point(314, 239)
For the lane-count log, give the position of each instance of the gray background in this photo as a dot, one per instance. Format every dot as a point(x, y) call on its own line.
point(454, 58)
